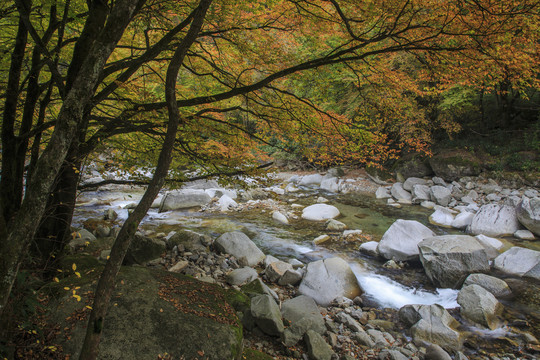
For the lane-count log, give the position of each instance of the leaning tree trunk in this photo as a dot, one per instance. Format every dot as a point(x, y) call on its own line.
point(106, 282)
point(17, 234)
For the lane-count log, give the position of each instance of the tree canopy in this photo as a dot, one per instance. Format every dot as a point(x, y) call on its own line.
point(181, 85)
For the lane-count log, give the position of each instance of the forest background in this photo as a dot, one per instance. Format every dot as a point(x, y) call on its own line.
point(173, 87)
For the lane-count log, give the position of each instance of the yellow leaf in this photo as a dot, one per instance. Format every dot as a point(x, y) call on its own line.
point(77, 297)
point(55, 279)
point(74, 267)
point(78, 274)
point(88, 307)
point(66, 288)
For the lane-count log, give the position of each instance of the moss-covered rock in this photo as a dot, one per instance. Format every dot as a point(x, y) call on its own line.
point(154, 312)
point(412, 165)
point(455, 164)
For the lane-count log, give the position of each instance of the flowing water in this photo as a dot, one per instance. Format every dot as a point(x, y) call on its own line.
point(386, 287)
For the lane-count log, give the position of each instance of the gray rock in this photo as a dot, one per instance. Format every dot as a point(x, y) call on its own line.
point(334, 225)
point(303, 315)
point(391, 354)
point(103, 231)
point(431, 324)
point(320, 212)
point(348, 321)
point(438, 181)
point(491, 245)
point(184, 199)
point(84, 235)
point(142, 324)
point(499, 288)
point(276, 269)
point(442, 217)
point(311, 180)
point(449, 259)
point(435, 352)
point(241, 276)
point(412, 181)
point(363, 338)
point(369, 248)
point(400, 194)
point(528, 213)
point(328, 279)
point(280, 218)
point(524, 235)
point(318, 349)
point(420, 193)
point(382, 193)
point(291, 277)
point(441, 195)
point(266, 314)
point(378, 337)
point(519, 261)
point(400, 241)
point(190, 240)
point(179, 266)
point(257, 287)
point(110, 215)
point(462, 220)
point(495, 220)
point(480, 306)
point(239, 245)
point(330, 184)
point(143, 249)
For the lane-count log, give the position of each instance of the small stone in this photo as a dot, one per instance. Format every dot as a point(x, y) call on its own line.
point(524, 235)
point(321, 239)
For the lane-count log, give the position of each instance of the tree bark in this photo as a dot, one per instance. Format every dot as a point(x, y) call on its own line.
point(23, 226)
point(10, 197)
point(106, 282)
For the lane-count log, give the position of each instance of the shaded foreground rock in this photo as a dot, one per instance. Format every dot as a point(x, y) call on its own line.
point(328, 279)
point(480, 306)
point(151, 309)
point(449, 259)
point(496, 286)
point(303, 314)
point(431, 324)
point(266, 314)
point(318, 349)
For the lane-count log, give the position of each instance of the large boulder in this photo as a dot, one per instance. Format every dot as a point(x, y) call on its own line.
point(328, 279)
point(143, 249)
point(266, 314)
point(151, 308)
point(499, 288)
point(420, 193)
point(400, 194)
point(431, 324)
point(400, 241)
point(441, 195)
point(528, 214)
point(412, 181)
point(495, 220)
point(239, 245)
point(455, 165)
point(413, 165)
point(184, 199)
point(317, 347)
point(480, 306)
point(189, 240)
point(303, 314)
point(449, 259)
point(519, 261)
point(330, 184)
point(320, 212)
point(311, 180)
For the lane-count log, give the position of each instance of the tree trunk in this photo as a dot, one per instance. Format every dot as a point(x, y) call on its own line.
point(106, 282)
point(10, 185)
point(23, 226)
